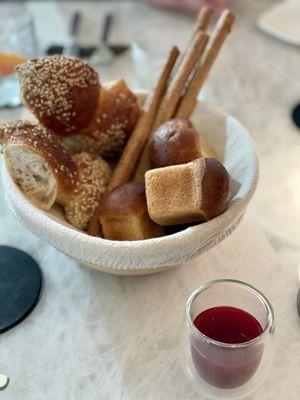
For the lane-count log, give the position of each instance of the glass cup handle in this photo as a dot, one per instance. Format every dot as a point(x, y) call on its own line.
point(4, 381)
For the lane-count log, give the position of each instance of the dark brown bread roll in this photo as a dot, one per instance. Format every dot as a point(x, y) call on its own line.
point(180, 194)
point(124, 214)
point(39, 164)
point(174, 142)
point(62, 92)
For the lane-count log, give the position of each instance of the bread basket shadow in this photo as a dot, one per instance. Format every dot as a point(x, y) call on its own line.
point(234, 148)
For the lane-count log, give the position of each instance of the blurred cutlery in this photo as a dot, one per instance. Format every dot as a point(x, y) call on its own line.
point(105, 52)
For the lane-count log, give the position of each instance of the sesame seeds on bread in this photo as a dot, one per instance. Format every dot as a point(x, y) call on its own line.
point(116, 116)
point(93, 176)
point(62, 92)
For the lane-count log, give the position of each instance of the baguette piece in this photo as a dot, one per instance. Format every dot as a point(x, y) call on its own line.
point(180, 194)
point(124, 214)
point(39, 164)
point(93, 176)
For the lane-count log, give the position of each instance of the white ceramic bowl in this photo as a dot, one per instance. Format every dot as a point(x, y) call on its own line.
point(235, 150)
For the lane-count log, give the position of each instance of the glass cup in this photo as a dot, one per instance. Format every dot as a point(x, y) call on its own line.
point(226, 370)
point(17, 43)
point(150, 49)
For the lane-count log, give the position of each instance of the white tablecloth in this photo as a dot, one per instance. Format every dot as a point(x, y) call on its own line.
point(96, 336)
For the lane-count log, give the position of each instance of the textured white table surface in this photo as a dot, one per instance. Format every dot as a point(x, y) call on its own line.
point(95, 336)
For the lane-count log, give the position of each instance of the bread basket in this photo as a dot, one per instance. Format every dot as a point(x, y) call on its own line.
point(235, 149)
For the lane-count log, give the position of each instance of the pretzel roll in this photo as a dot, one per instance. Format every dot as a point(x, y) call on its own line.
point(62, 92)
point(124, 214)
point(116, 116)
point(174, 142)
point(39, 164)
point(180, 194)
point(93, 175)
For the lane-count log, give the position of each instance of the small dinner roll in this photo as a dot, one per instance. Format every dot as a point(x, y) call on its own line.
point(62, 92)
point(174, 142)
point(124, 214)
point(180, 194)
point(116, 116)
point(38, 164)
point(93, 175)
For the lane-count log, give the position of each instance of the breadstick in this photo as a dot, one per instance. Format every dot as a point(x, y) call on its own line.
point(172, 96)
point(203, 20)
point(217, 39)
point(127, 163)
point(204, 17)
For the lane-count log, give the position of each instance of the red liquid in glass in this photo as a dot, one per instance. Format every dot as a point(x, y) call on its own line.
point(220, 366)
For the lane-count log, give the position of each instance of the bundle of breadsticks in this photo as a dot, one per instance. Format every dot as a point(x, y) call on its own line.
point(164, 175)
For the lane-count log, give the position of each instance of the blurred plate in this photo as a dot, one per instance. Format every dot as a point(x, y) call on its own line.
point(282, 21)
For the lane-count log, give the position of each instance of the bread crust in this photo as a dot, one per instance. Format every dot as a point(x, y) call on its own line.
point(43, 143)
point(62, 92)
point(180, 194)
point(93, 175)
point(116, 115)
point(174, 142)
point(215, 188)
point(124, 214)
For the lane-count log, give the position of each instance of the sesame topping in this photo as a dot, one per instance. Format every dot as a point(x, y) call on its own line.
point(93, 175)
point(47, 86)
point(108, 143)
point(116, 116)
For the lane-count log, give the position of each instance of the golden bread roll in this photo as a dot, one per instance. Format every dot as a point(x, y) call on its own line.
point(93, 176)
point(62, 92)
point(124, 214)
point(116, 116)
point(39, 164)
point(174, 142)
point(180, 194)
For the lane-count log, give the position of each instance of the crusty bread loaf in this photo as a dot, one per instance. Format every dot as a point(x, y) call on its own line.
point(93, 175)
point(124, 214)
point(116, 116)
point(179, 194)
point(174, 142)
point(62, 92)
point(39, 164)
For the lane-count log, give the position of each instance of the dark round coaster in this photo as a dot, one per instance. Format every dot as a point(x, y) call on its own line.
point(296, 115)
point(20, 286)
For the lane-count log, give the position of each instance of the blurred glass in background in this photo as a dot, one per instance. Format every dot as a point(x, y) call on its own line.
point(17, 43)
point(149, 56)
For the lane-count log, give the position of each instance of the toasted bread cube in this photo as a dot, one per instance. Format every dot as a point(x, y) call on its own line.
point(124, 214)
point(179, 194)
